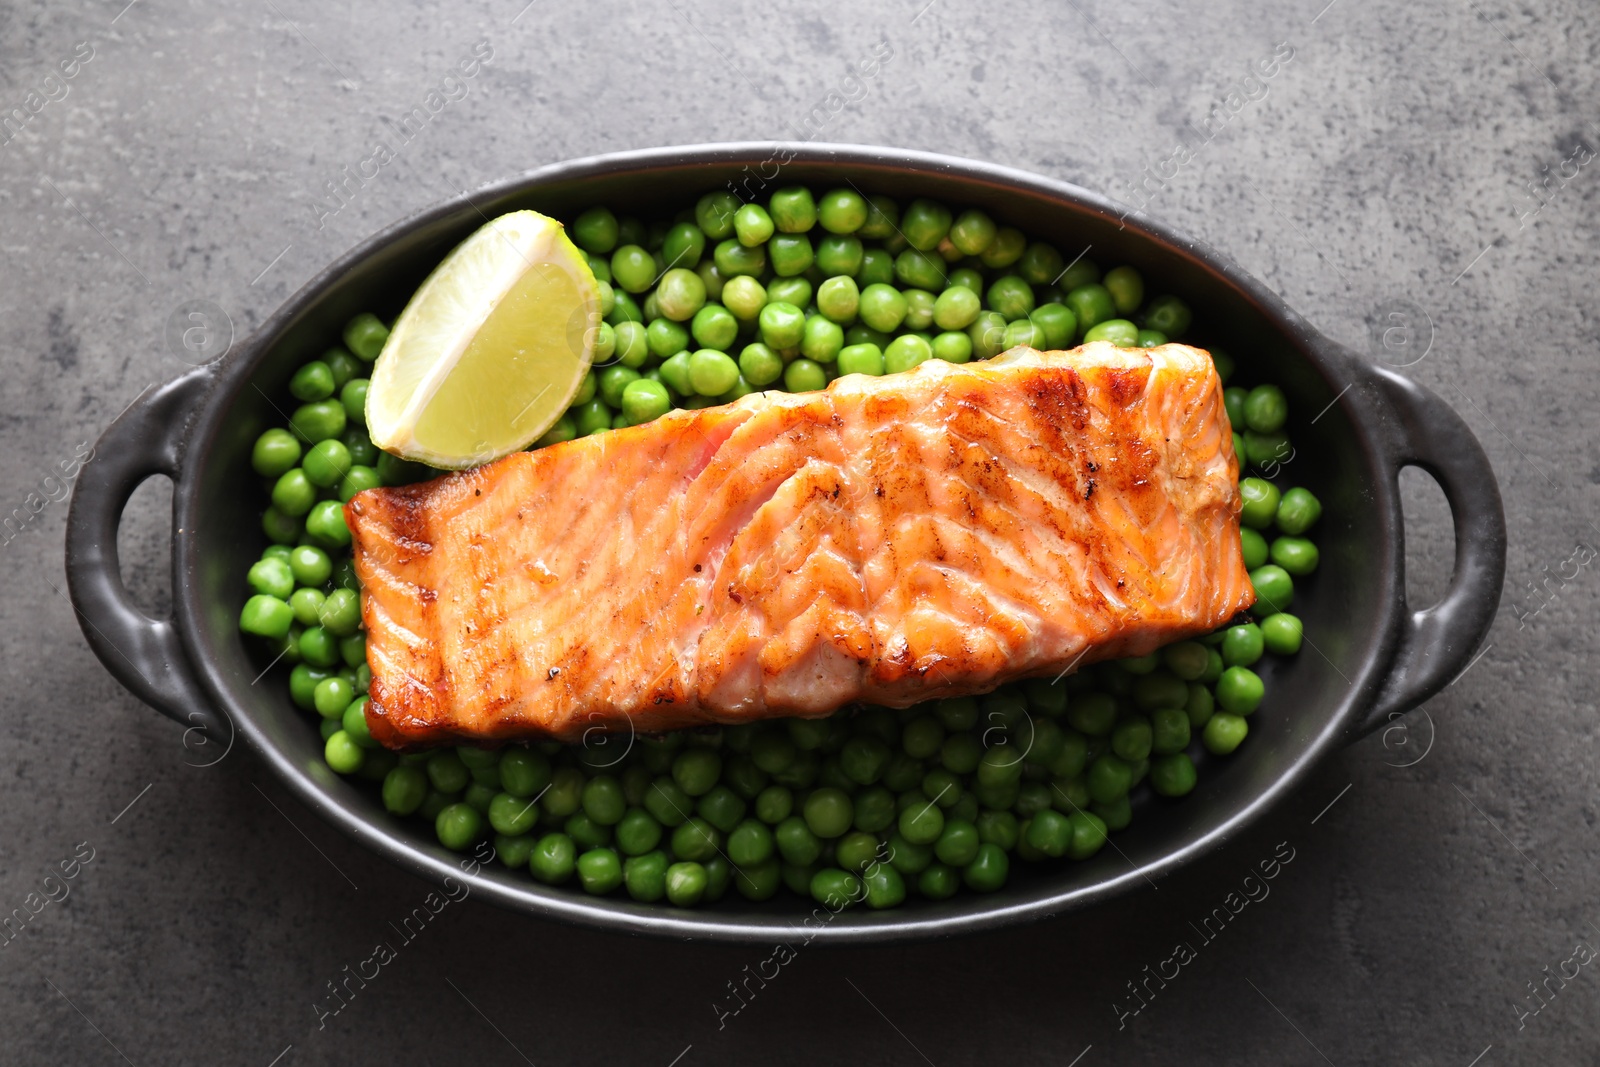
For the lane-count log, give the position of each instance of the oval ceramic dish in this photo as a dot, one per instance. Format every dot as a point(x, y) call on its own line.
point(1374, 655)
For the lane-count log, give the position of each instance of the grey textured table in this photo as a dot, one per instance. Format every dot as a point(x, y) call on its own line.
point(1385, 170)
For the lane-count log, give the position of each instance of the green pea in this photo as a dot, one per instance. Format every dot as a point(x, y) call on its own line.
point(840, 256)
point(988, 870)
point(667, 802)
point(744, 296)
point(685, 243)
point(1040, 264)
point(685, 884)
point(1091, 304)
point(1023, 332)
point(645, 400)
point(952, 346)
point(882, 307)
point(1049, 833)
point(842, 211)
point(835, 888)
point(313, 381)
point(721, 807)
point(275, 453)
point(804, 375)
point(1224, 733)
point(714, 214)
point(925, 223)
point(696, 770)
point(624, 309)
point(593, 417)
point(1242, 645)
point(877, 268)
point(637, 833)
point(553, 859)
point(664, 338)
point(446, 771)
point(645, 876)
point(793, 210)
point(883, 218)
point(938, 881)
point(1296, 555)
point(1093, 713)
point(861, 359)
point(828, 813)
point(333, 698)
point(790, 253)
point(1150, 339)
point(885, 887)
point(1253, 548)
point(1005, 249)
point(1239, 690)
point(358, 479)
point(759, 365)
point(1133, 738)
point(774, 804)
point(1109, 777)
point(987, 333)
point(695, 840)
point(1267, 449)
point(595, 231)
point(839, 299)
point(1274, 589)
point(266, 616)
point(1169, 315)
point(318, 647)
point(1011, 297)
point(905, 352)
point(293, 494)
point(1088, 834)
point(1298, 511)
point(524, 772)
point(584, 831)
point(680, 293)
point(342, 365)
point(1233, 399)
point(614, 381)
point(1186, 659)
point(511, 815)
point(632, 268)
point(303, 682)
point(340, 613)
point(714, 326)
point(958, 843)
point(956, 308)
point(920, 270)
point(404, 789)
point(782, 325)
point(459, 826)
point(921, 824)
point(365, 335)
point(1172, 775)
point(712, 373)
point(564, 796)
point(1057, 322)
point(1282, 633)
point(1266, 409)
point(821, 339)
point(325, 523)
point(972, 232)
point(796, 842)
point(272, 577)
point(1260, 503)
point(1119, 332)
point(599, 871)
point(1171, 728)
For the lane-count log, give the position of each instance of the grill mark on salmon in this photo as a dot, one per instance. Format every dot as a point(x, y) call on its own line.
point(887, 540)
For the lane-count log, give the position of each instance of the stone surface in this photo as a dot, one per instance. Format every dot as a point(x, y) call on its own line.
point(186, 161)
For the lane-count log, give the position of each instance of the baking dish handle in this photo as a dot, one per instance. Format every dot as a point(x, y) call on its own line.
point(143, 653)
point(1438, 643)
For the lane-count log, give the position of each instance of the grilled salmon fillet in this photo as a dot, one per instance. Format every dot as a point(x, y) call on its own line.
point(933, 533)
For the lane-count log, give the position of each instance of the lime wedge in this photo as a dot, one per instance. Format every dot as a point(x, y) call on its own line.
point(490, 350)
